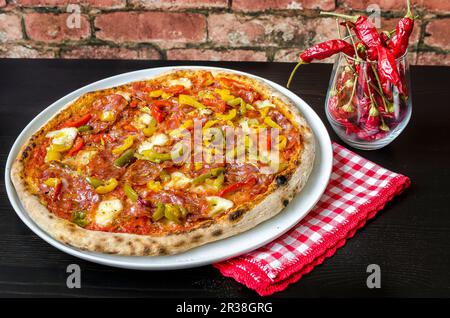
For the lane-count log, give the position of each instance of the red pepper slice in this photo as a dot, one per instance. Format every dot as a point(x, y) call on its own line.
point(157, 113)
point(130, 127)
point(134, 103)
point(57, 191)
point(79, 122)
point(237, 185)
point(217, 104)
point(176, 89)
point(79, 143)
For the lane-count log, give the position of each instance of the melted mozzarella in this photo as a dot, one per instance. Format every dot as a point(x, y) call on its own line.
point(155, 140)
point(178, 180)
point(146, 119)
point(218, 204)
point(84, 156)
point(264, 103)
point(107, 211)
point(125, 95)
point(186, 82)
point(64, 136)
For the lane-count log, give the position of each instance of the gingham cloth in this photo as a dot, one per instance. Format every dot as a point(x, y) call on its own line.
point(357, 190)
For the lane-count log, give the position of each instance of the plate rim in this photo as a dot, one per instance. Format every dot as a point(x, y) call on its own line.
point(323, 145)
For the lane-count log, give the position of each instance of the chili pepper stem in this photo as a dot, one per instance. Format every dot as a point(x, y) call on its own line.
point(348, 107)
point(383, 126)
point(383, 98)
point(338, 28)
point(408, 10)
point(340, 15)
point(293, 73)
point(353, 42)
point(370, 93)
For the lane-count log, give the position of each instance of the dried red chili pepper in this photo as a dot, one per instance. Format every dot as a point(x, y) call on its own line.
point(385, 36)
point(321, 51)
point(364, 30)
point(399, 42)
point(387, 69)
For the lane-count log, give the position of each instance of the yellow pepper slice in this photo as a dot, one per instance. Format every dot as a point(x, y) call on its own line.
point(231, 114)
point(154, 186)
point(282, 141)
point(108, 186)
point(150, 130)
point(271, 123)
point(52, 155)
point(264, 111)
point(235, 101)
point(127, 143)
point(209, 124)
point(191, 101)
point(206, 95)
point(166, 95)
point(107, 115)
point(187, 124)
point(52, 182)
point(156, 93)
point(224, 94)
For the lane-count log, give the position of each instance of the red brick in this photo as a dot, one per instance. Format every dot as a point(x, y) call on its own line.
point(434, 5)
point(64, 3)
point(438, 34)
point(320, 30)
point(432, 58)
point(21, 51)
point(275, 30)
point(385, 5)
point(10, 28)
point(151, 26)
point(106, 52)
point(213, 55)
point(265, 5)
point(178, 4)
point(229, 29)
point(388, 5)
point(49, 27)
point(287, 55)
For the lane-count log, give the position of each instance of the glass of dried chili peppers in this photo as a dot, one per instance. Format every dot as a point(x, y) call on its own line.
point(368, 102)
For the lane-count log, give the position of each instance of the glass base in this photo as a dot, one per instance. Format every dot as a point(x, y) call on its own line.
point(369, 145)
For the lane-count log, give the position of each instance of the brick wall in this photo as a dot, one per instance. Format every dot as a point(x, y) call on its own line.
point(248, 30)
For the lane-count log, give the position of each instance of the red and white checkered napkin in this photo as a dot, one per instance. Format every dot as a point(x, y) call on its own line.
point(358, 189)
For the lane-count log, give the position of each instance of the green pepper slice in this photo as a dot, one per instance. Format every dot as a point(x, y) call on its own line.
point(130, 193)
point(94, 182)
point(159, 212)
point(172, 213)
point(210, 174)
point(85, 128)
point(125, 158)
point(79, 218)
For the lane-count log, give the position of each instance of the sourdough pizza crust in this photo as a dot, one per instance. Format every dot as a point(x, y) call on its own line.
point(241, 219)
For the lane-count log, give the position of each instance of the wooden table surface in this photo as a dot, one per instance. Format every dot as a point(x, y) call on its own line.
point(409, 239)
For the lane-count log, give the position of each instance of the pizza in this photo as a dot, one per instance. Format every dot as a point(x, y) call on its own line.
point(162, 165)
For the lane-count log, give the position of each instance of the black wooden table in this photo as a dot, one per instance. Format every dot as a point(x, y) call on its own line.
point(409, 239)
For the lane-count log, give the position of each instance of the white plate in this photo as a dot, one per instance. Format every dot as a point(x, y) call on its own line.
point(209, 253)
